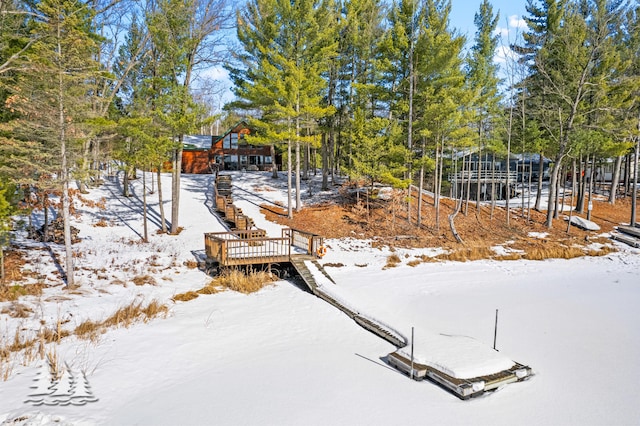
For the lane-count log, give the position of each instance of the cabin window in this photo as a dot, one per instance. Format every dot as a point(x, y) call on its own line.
point(234, 140)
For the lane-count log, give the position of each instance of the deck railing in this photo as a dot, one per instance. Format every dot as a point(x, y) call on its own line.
point(483, 175)
point(245, 247)
point(303, 240)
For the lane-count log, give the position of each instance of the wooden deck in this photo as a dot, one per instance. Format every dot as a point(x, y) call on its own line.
point(250, 247)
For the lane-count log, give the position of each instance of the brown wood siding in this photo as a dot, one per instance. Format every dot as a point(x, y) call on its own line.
point(195, 161)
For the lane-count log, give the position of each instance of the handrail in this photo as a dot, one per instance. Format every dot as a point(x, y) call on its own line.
point(303, 239)
point(483, 175)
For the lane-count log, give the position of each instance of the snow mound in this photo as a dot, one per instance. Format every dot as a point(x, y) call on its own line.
point(583, 223)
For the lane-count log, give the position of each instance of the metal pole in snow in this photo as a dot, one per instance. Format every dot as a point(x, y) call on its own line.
point(495, 331)
point(411, 353)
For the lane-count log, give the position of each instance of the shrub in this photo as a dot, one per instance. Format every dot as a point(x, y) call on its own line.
point(237, 280)
point(185, 297)
point(392, 261)
point(144, 279)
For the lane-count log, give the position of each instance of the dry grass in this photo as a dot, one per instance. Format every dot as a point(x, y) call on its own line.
point(102, 223)
point(414, 262)
point(392, 261)
point(554, 252)
point(185, 297)
point(123, 317)
point(237, 280)
point(467, 254)
point(143, 280)
point(424, 258)
point(191, 264)
point(14, 292)
point(17, 310)
point(211, 288)
point(509, 256)
point(482, 227)
point(32, 347)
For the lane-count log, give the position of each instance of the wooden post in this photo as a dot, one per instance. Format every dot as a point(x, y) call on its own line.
point(411, 353)
point(495, 331)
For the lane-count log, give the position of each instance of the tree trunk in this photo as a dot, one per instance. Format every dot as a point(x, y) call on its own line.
point(436, 186)
point(175, 187)
point(467, 196)
point(634, 190)
point(615, 180)
point(274, 164)
point(298, 197)
point(421, 186)
point(573, 191)
point(627, 175)
point(325, 162)
point(2, 273)
point(145, 227)
point(556, 200)
point(580, 189)
point(125, 181)
point(163, 219)
point(553, 183)
point(289, 201)
point(66, 202)
point(45, 211)
point(493, 185)
point(306, 159)
point(538, 206)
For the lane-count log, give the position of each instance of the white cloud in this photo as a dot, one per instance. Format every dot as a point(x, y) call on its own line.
point(501, 31)
point(516, 21)
point(504, 54)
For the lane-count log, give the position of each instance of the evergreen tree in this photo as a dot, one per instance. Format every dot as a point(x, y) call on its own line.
point(482, 77)
point(54, 92)
point(281, 72)
point(6, 210)
point(571, 55)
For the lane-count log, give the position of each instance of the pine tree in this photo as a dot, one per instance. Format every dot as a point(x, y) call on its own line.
point(441, 121)
point(572, 57)
point(53, 96)
point(6, 211)
point(482, 77)
point(281, 73)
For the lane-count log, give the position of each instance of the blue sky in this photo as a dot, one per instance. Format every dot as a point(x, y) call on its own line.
point(463, 11)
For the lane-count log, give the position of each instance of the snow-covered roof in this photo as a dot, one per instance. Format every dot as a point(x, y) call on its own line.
point(196, 141)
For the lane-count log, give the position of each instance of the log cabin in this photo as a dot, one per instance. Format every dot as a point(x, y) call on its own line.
point(205, 154)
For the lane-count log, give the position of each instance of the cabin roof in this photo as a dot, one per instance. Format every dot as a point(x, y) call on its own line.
point(197, 142)
point(240, 123)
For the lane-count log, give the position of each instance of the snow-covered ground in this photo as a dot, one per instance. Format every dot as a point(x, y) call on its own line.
point(283, 356)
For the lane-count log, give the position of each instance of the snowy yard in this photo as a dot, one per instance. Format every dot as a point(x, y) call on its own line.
point(285, 357)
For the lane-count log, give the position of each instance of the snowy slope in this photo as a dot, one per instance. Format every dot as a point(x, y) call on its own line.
point(285, 357)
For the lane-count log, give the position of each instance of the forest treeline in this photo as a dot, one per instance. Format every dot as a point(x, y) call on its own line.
point(382, 91)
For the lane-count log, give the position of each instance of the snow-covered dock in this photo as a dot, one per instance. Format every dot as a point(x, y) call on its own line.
point(460, 364)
